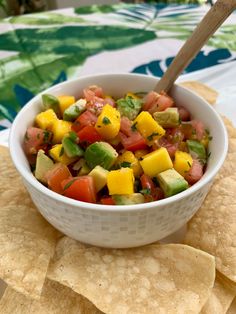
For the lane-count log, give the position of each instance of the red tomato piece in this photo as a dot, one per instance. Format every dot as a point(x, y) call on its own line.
point(86, 118)
point(199, 129)
point(93, 91)
point(56, 175)
point(184, 114)
point(80, 188)
point(157, 102)
point(125, 126)
point(36, 139)
point(153, 193)
point(195, 173)
point(133, 142)
point(89, 134)
point(107, 201)
point(171, 147)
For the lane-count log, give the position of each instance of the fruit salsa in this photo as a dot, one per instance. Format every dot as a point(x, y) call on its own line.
point(136, 149)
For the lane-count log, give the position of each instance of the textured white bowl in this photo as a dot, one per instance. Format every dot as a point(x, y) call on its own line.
point(119, 226)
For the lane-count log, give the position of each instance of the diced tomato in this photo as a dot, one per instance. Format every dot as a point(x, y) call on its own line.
point(157, 102)
point(199, 128)
point(89, 134)
point(80, 188)
point(125, 126)
point(36, 139)
point(171, 147)
point(109, 101)
point(153, 193)
point(195, 173)
point(184, 114)
point(133, 142)
point(107, 201)
point(86, 118)
point(56, 175)
point(93, 91)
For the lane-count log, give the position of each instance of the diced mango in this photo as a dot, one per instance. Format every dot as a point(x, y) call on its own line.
point(99, 175)
point(148, 127)
point(45, 119)
point(129, 158)
point(132, 95)
point(156, 162)
point(183, 162)
point(57, 153)
point(108, 122)
point(59, 129)
point(65, 102)
point(120, 181)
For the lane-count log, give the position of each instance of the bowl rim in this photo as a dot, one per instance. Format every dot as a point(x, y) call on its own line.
point(31, 180)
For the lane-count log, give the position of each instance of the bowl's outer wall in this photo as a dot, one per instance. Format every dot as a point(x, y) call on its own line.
point(127, 226)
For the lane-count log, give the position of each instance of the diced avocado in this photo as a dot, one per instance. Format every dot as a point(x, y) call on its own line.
point(43, 164)
point(75, 110)
point(128, 199)
point(168, 118)
point(84, 170)
point(102, 154)
point(197, 150)
point(71, 148)
point(50, 101)
point(171, 182)
point(99, 175)
point(129, 107)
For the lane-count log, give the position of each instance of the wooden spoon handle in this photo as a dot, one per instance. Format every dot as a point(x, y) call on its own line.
point(209, 24)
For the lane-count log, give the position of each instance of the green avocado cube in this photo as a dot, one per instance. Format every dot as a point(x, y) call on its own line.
point(171, 182)
point(43, 165)
point(197, 150)
point(128, 199)
point(129, 107)
point(99, 175)
point(75, 110)
point(51, 102)
point(100, 153)
point(71, 148)
point(168, 118)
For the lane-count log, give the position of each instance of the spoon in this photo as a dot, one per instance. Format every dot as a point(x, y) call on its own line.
point(207, 27)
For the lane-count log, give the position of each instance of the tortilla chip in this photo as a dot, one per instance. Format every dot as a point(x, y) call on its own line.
point(171, 277)
point(55, 299)
point(206, 92)
point(213, 228)
point(27, 241)
point(232, 309)
point(220, 299)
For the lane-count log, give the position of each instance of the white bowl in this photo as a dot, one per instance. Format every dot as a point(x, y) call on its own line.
point(129, 225)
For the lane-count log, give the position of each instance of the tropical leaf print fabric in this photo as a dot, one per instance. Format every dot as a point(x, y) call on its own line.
point(40, 50)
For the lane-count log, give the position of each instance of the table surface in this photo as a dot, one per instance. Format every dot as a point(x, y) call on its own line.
point(39, 50)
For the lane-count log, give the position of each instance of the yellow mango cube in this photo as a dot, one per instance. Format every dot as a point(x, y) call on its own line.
point(108, 122)
point(99, 175)
point(120, 181)
point(156, 162)
point(57, 153)
point(45, 119)
point(59, 129)
point(129, 158)
point(183, 162)
point(148, 127)
point(65, 102)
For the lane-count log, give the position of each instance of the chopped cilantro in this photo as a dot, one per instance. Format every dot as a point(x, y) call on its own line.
point(69, 184)
point(150, 137)
point(210, 138)
point(61, 152)
point(134, 126)
point(46, 137)
point(146, 191)
point(125, 164)
point(189, 164)
point(106, 121)
point(38, 136)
